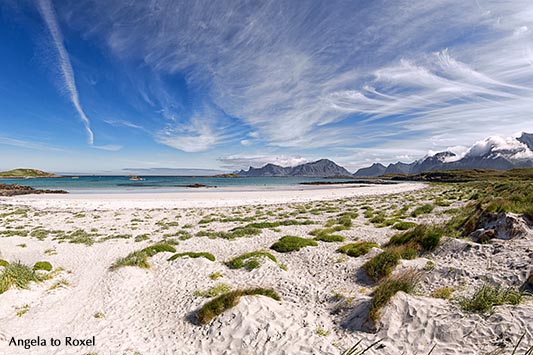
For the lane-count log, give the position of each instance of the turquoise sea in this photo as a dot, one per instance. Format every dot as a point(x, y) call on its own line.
point(90, 184)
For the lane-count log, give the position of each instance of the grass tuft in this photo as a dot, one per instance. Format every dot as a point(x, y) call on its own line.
point(42, 265)
point(444, 293)
point(405, 281)
point(357, 249)
point(488, 296)
point(291, 243)
point(208, 256)
point(229, 300)
point(250, 261)
point(17, 275)
point(140, 258)
point(428, 237)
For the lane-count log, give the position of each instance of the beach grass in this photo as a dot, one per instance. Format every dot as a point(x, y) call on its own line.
point(357, 249)
point(405, 281)
point(140, 258)
point(229, 300)
point(291, 243)
point(488, 296)
point(251, 260)
point(189, 254)
point(17, 275)
point(42, 265)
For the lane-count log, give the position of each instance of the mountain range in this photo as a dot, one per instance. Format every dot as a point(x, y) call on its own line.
point(494, 152)
point(319, 168)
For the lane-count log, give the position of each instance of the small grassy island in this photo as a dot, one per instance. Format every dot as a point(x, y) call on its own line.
point(26, 174)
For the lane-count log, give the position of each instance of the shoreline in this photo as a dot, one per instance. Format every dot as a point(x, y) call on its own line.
point(206, 198)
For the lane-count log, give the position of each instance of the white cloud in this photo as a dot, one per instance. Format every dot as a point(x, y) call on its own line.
point(108, 147)
point(430, 74)
point(47, 11)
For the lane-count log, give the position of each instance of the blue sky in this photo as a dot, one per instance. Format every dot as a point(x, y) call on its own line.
point(100, 86)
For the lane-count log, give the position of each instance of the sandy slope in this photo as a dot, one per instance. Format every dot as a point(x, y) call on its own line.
point(149, 311)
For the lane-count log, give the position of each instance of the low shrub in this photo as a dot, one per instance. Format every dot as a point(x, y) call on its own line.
point(229, 300)
point(329, 238)
point(291, 243)
point(3, 263)
point(357, 249)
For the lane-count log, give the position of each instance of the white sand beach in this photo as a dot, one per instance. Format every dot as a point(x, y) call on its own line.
point(325, 295)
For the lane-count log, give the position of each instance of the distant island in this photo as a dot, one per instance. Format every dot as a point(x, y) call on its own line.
point(26, 174)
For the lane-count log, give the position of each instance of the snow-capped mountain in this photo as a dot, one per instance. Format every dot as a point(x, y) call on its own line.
point(498, 153)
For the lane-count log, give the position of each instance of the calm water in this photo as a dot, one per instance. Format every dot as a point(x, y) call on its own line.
point(90, 184)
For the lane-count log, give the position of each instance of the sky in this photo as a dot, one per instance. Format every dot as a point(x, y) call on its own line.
point(107, 86)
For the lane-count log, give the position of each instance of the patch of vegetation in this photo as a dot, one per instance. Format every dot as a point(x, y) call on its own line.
point(357, 249)
point(140, 258)
point(213, 291)
point(444, 293)
point(405, 281)
point(42, 265)
point(425, 209)
point(142, 237)
point(322, 332)
point(22, 310)
point(14, 233)
point(99, 315)
point(250, 261)
point(237, 232)
point(403, 225)
point(291, 243)
point(17, 275)
point(58, 284)
point(229, 300)
point(488, 296)
point(3, 263)
point(427, 237)
point(382, 264)
point(208, 256)
point(329, 238)
point(215, 275)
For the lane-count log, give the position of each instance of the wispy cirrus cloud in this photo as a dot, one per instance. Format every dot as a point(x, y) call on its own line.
point(49, 16)
point(337, 74)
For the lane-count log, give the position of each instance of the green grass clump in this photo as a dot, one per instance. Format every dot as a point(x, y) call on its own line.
point(208, 256)
point(17, 275)
point(291, 243)
point(140, 258)
point(382, 264)
point(403, 225)
point(3, 263)
point(42, 265)
point(229, 300)
point(250, 261)
point(425, 209)
point(215, 275)
point(428, 237)
point(357, 249)
point(444, 293)
point(329, 238)
point(488, 296)
point(213, 291)
point(405, 281)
